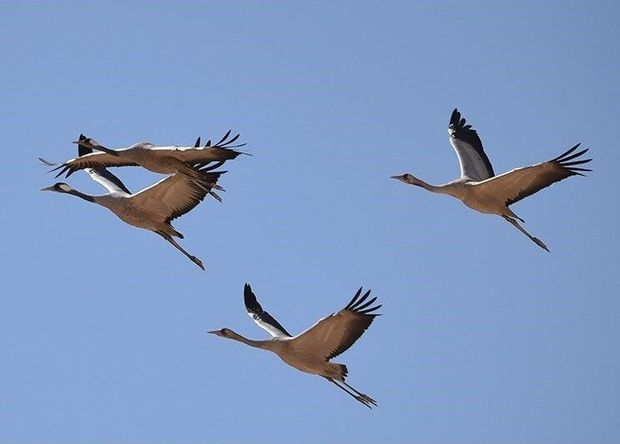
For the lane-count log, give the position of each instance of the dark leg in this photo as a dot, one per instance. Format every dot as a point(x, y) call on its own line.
point(537, 241)
point(359, 398)
point(366, 397)
point(194, 259)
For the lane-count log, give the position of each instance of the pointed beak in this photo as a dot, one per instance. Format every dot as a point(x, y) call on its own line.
point(48, 188)
point(213, 332)
point(395, 177)
point(76, 141)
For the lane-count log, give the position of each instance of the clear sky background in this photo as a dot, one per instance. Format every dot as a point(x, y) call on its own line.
point(484, 338)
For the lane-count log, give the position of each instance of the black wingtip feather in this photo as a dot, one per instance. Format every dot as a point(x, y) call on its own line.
point(353, 301)
point(566, 160)
point(455, 117)
point(566, 153)
point(249, 298)
point(368, 303)
point(61, 171)
point(360, 305)
point(224, 138)
point(46, 163)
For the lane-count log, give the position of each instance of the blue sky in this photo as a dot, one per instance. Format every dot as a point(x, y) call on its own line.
point(484, 337)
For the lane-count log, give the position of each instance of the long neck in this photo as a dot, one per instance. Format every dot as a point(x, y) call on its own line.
point(81, 195)
point(96, 146)
point(420, 183)
point(256, 344)
point(454, 189)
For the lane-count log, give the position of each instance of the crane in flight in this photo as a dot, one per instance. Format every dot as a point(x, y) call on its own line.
point(481, 190)
point(312, 350)
point(188, 160)
point(152, 208)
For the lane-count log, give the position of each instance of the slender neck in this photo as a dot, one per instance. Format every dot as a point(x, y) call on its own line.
point(420, 183)
point(256, 344)
point(96, 146)
point(81, 195)
point(454, 189)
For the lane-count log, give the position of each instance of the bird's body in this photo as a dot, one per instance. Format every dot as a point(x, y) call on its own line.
point(311, 351)
point(481, 190)
point(188, 160)
point(154, 207)
point(133, 212)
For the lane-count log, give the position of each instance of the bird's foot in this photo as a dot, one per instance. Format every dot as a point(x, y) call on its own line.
point(46, 162)
point(541, 244)
point(370, 400)
point(197, 261)
point(366, 400)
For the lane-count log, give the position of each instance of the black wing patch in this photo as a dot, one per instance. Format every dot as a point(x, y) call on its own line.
point(459, 130)
point(257, 313)
point(103, 172)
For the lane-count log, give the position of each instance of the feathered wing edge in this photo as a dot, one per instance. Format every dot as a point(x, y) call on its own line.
point(262, 318)
point(465, 133)
point(565, 166)
point(362, 308)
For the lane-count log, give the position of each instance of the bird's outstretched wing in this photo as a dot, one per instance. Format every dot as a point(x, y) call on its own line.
point(335, 333)
point(200, 156)
point(475, 164)
point(263, 319)
point(177, 194)
point(519, 183)
point(105, 178)
point(92, 160)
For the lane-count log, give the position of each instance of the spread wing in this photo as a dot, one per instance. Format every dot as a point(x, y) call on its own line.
point(263, 319)
point(218, 152)
point(475, 164)
point(108, 180)
point(519, 183)
point(93, 160)
point(176, 195)
point(337, 332)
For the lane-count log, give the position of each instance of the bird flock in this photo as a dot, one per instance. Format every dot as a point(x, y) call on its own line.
point(192, 176)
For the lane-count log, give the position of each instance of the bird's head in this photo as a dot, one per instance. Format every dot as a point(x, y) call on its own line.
point(223, 332)
point(87, 141)
point(59, 187)
point(407, 178)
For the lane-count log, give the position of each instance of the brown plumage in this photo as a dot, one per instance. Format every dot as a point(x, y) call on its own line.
point(481, 190)
point(311, 350)
point(188, 160)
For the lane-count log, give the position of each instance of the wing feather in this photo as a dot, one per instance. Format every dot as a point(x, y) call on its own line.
point(519, 183)
point(176, 195)
point(337, 332)
point(474, 163)
point(92, 160)
point(196, 155)
point(263, 319)
point(101, 175)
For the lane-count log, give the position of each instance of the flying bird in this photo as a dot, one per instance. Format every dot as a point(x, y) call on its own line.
point(312, 350)
point(188, 160)
point(154, 207)
point(480, 189)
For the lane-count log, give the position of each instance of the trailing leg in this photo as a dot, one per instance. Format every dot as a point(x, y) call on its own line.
point(174, 243)
point(363, 395)
point(537, 241)
point(361, 399)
